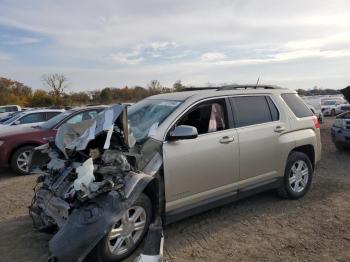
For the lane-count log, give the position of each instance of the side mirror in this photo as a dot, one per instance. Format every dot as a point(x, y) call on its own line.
point(17, 123)
point(183, 132)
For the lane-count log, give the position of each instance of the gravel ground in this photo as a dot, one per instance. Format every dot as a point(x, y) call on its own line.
point(260, 228)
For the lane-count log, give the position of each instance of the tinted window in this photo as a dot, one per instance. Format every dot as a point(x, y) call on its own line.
point(273, 109)
point(50, 115)
point(207, 117)
point(8, 109)
point(297, 105)
point(32, 118)
point(252, 110)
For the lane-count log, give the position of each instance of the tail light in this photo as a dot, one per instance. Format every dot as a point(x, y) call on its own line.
point(316, 123)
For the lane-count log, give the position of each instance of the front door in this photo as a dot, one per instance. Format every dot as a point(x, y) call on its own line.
point(204, 167)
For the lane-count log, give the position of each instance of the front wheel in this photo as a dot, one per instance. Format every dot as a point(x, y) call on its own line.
point(297, 177)
point(127, 233)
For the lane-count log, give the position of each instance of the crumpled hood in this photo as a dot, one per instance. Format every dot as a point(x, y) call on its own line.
point(77, 136)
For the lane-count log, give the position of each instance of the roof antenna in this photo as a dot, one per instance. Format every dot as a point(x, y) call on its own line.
point(257, 82)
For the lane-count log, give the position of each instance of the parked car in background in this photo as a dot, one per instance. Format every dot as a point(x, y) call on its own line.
point(317, 113)
point(5, 110)
point(30, 117)
point(329, 107)
point(340, 131)
point(342, 108)
point(17, 144)
point(8, 116)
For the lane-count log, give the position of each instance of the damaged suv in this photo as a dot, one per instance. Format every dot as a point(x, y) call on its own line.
point(102, 182)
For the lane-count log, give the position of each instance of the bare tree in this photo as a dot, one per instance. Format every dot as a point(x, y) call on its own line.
point(57, 83)
point(154, 87)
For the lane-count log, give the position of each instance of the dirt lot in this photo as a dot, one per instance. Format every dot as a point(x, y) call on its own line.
point(261, 228)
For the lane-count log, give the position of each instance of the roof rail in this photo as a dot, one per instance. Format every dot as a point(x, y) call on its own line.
point(230, 87)
point(234, 87)
point(198, 88)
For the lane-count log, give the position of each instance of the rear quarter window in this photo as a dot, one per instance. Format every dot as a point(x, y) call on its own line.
point(297, 106)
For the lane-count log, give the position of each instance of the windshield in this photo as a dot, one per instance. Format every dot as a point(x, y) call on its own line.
point(14, 117)
point(55, 120)
point(329, 103)
point(146, 115)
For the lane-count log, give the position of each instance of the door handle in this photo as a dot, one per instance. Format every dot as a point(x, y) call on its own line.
point(227, 139)
point(279, 129)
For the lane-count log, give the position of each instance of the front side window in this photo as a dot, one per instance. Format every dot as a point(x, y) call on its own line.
point(207, 117)
point(253, 110)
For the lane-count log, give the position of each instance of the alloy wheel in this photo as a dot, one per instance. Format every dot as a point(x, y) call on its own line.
point(299, 176)
point(23, 161)
point(127, 231)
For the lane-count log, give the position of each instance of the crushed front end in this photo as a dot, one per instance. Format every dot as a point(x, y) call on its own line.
point(87, 178)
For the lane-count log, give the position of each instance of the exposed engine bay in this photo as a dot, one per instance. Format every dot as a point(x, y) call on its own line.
point(88, 177)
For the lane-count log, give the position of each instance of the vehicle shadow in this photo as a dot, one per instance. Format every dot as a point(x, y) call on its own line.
point(6, 174)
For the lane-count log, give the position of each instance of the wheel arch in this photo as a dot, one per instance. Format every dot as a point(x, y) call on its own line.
point(308, 150)
point(154, 191)
point(35, 144)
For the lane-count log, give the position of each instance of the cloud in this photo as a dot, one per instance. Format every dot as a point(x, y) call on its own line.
point(158, 46)
point(128, 59)
point(213, 56)
point(197, 40)
point(5, 57)
point(21, 41)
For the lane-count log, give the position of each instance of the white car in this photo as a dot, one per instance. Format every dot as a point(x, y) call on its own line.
point(5, 110)
point(329, 107)
point(29, 117)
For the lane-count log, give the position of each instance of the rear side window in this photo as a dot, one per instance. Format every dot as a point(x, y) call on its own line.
point(32, 118)
point(252, 110)
point(297, 105)
point(50, 115)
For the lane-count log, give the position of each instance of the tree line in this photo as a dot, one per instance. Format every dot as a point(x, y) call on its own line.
point(56, 94)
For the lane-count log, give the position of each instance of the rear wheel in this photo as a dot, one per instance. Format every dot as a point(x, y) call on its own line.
point(21, 158)
point(127, 233)
point(297, 177)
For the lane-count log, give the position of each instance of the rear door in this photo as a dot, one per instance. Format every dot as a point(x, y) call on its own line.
point(259, 127)
point(207, 166)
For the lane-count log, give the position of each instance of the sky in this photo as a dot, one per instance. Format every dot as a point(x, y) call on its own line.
point(95, 44)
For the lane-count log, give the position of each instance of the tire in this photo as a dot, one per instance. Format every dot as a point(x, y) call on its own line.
point(20, 160)
point(299, 170)
point(103, 252)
